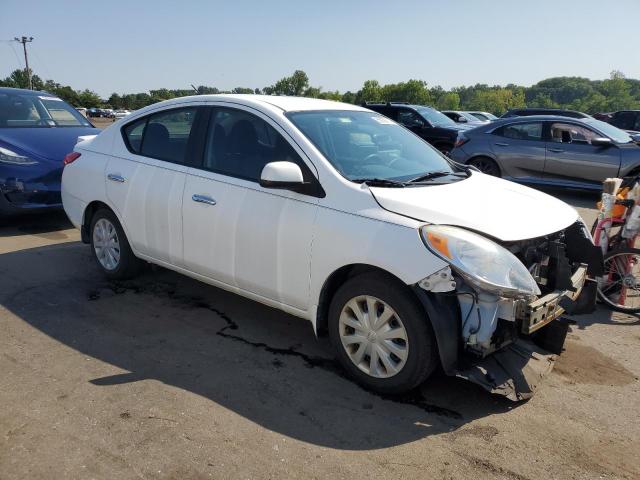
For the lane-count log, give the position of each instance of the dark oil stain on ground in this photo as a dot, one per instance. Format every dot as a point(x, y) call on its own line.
point(163, 289)
point(583, 364)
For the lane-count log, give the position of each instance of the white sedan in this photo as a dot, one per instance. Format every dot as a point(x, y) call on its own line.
point(121, 113)
point(338, 215)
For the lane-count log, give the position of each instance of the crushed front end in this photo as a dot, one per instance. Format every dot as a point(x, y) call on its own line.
point(510, 329)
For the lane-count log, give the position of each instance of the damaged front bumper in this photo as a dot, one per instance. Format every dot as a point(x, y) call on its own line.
point(579, 298)
point(508, 345)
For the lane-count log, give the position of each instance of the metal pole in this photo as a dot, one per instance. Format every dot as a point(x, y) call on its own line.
point(24, 41)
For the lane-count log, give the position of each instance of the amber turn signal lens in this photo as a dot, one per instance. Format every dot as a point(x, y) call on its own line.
point(441, 244)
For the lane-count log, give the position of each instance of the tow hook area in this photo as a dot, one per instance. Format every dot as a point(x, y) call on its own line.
point(515, 371)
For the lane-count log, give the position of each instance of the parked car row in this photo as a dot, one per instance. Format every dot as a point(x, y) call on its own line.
point(107, 113)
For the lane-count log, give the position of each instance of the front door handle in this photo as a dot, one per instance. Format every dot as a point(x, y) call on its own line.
point(556, 150)
point(115, 178)
point(502, 144)
point(203, 199)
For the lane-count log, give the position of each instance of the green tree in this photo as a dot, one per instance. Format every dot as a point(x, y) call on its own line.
point(89, 99)
point(19, 79)
point(243, 90)
point(371, 91)
point(448, 101)
point(294, 85)
point(412, 91)
point(617, 92)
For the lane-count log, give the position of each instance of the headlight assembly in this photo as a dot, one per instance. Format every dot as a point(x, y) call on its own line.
point(480, 261)
point(11, 157)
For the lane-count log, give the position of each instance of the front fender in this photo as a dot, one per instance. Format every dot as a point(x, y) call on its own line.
point(444, 314)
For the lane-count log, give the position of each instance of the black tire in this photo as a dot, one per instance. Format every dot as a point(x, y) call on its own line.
point(605, 291)
point(486, 165)
point(128, 264)
point(422, 357)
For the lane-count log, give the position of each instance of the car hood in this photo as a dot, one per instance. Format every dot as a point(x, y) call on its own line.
point(498, 208)
point(46, 143)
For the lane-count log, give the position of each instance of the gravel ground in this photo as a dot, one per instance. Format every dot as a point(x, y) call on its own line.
point(165, 377)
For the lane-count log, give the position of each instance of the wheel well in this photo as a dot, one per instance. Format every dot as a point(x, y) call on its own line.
point(91, 209)
point(486, 157)
point(334, 282)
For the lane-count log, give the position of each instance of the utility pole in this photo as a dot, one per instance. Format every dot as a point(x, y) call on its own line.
point(24, 41)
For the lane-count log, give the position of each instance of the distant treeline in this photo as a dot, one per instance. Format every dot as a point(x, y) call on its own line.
point(576, 93)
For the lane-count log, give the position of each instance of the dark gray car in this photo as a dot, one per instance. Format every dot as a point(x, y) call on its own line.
point(550, 150)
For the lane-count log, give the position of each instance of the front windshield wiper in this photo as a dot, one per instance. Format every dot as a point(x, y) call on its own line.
point(431, 175)
point(379, 182)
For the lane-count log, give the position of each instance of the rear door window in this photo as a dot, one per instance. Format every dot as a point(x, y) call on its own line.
point(166, 134)
point(133, 134)
point(410, 119)
point(522, 131)
point(163, 135)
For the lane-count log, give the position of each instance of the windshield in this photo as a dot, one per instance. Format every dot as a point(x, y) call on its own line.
point(469, 117)
point(32, 111)
point(484, 115)
point(367, 145)
point(434, 117)
point(617, 135)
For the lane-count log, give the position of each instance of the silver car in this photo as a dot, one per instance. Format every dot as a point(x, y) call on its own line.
point(550, 150)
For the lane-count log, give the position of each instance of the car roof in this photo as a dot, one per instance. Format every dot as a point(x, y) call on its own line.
point(533, 118)
point(541, 109)
point(24, 91)
point(284, 103)
point(396, 105)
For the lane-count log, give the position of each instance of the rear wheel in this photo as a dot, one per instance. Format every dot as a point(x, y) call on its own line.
point(619, 287)
point(111, 248)
point(381, 334)
point(486, 165)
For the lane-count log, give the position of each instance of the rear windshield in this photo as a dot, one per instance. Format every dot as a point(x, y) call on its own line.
point(19, 110)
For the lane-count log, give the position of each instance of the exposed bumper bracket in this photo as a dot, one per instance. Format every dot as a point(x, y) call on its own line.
point(514, 371)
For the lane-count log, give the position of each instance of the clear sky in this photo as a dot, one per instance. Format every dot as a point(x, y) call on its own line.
point(137, 45)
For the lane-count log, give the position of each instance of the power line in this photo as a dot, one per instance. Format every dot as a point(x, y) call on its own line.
point(24, 40)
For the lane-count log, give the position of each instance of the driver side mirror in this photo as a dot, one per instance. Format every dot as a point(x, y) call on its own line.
point(601, 142)
point(282, 175)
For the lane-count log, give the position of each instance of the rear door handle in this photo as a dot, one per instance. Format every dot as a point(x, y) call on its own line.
point(502, 144)
point(556, 150)
point(203, 199)
point(115, 178)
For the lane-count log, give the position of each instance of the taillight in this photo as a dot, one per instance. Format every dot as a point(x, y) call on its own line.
point(461, 140)
point(70, 157)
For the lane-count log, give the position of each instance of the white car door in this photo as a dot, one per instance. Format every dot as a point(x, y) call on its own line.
point(146, 187)
point(235, 231)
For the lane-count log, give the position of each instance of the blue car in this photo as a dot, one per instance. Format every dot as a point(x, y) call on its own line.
point(37, 130)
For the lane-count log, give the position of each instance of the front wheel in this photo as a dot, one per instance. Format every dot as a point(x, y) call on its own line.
point(619, 287)
point(381, 334)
